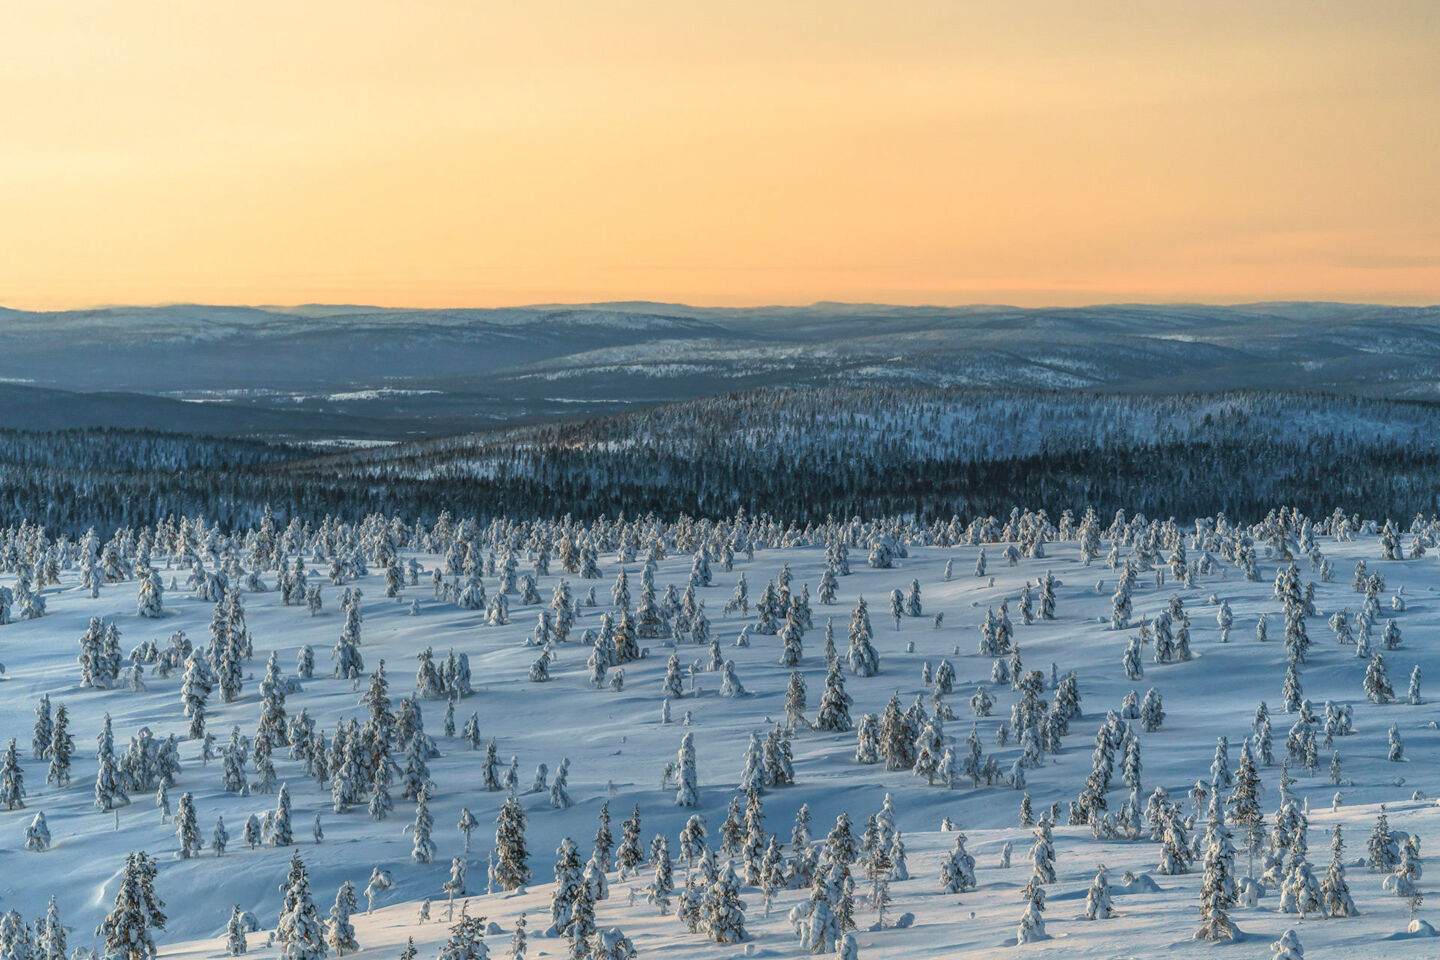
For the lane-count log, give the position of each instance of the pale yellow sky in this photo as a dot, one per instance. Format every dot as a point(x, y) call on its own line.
point(476, 153)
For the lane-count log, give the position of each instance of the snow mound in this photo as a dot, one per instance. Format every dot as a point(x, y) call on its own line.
point(1141, 884)
point(1417, 929)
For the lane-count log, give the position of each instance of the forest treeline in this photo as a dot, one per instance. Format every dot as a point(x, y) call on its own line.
point(796, 454)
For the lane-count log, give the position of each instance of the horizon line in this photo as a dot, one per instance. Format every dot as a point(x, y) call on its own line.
point(759, 306)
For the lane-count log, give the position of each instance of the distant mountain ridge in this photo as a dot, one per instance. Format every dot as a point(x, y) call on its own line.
point(387, 372)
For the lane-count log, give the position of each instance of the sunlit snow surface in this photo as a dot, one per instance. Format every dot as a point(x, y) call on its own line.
point(618, 747)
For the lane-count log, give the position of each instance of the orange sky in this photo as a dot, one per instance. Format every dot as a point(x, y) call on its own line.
point(467, 152)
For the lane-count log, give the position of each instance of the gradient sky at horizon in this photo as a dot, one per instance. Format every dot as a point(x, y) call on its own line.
point(453, 153)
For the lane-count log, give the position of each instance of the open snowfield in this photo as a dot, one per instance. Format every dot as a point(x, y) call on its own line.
point(618, 748)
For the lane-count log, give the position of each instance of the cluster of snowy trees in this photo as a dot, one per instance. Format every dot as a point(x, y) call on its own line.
point(385, 749)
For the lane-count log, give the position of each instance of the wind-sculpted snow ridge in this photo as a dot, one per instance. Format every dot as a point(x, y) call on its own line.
point(938, 769)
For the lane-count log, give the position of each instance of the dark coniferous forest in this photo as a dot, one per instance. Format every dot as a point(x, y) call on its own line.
point(801, 454)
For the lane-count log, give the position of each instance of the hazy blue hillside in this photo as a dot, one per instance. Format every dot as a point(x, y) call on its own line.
point(369, 372)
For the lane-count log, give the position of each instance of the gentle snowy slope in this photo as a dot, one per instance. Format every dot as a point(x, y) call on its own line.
point(618, 747)
point(1150, 923)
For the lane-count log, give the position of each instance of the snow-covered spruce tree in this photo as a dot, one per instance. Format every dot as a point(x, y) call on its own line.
point(272, 726)
point(517, 940)
point(1377, 681)
point(559, 786)
point(1174, 851)
point(1335, 900)
point(1220, 777)
point(629, 854)
point(110, 790)
point(150, 602)
point(792, 636)
point(594, 879)
point(339, 931)
point(91, 659)
point(299, 929)
point(471, 731)
point(1120, 606)
point(1166, 649)
point(982, 702)
point(692, 840)
point(1287, 947)
point(1340, 624)
point(1292, 693)
point(512, 857)
point(1244, 802)
point(37, 835)
point(415, 778)
point(1403, 878)
point(795, 701)
point(467, 825)
point(281, 830)
point(1217, 885)
point(195, 689)
point(863, 659)
point(929, 750)
point(491, 767)
point(306, 658)
point(1152, 713)
point(1391, 635)
point(137, 911)
point(604, 840)
point(1225, 619)
point(379, 882)
point(730, 685)
point(568, 872)
point(582, 916)
point(1031, 928)
point(187, 828)
point(834, 712)
point(455, 886)
point(349, 664)
point(380, 803)
point(957, 871)
point(44, 730)
point(50, 934)
point(1299, 890)
point(235, 942)
point(1097, 898)
point(12, 778)
point(1042, 853)
point(673, 686)
point(219, 837)
point(732, 830)
point(422, 849)
point(687, 784)
point(1382, 852)
point(662, 882)
point(816, 924)
point(722, 911)
point(1130, 662)
point(61, 749)
point(611, 944)
point(251, 832)
point(1131, 767)
point(466, 941)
